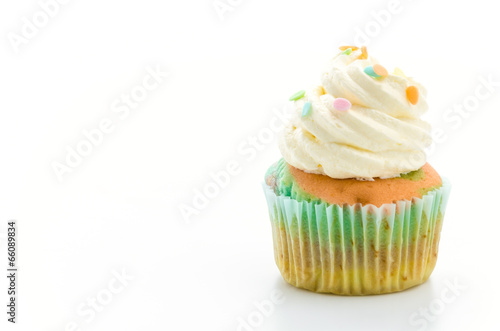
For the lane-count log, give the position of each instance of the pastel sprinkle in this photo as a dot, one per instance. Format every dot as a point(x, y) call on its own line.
point(341, 104)
point(306, 110)
point(412, 94)
point(371, 72)
point(343, 48)
point(380, 70)
point(364, 53)
point(399, 72)
point(297, 95)
point(347, 51)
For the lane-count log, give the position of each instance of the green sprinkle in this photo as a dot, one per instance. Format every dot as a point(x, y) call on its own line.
point(306, 110)
point(347, 51)
point(297, 95)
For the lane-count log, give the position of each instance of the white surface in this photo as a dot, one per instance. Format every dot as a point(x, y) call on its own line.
point(120, 207)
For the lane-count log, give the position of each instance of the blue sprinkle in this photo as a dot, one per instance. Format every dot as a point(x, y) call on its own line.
point(370, 72)
point(306, 110)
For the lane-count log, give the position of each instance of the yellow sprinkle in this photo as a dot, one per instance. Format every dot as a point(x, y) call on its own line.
point(399, 72)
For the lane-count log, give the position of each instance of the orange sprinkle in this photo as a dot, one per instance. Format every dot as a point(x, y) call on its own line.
point(380, 70)
point(343, 48)
point(412, 94)
point(364, 53)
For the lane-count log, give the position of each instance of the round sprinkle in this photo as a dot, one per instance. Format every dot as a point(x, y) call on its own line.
point(306, 110)
point(347, 51)
point(297, 95)
point(343, 48)
point(371, 72)
point(341, 104)
point(412, 94)
point(380, 70)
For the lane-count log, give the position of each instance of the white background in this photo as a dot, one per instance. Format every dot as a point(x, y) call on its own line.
point(119, 208)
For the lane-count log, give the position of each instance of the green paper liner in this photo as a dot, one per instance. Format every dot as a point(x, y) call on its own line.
point(355, 249)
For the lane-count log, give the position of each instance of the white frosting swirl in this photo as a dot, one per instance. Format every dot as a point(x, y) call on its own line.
point(382, 134)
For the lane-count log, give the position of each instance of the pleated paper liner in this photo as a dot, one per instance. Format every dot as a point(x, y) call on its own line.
point(357, 250)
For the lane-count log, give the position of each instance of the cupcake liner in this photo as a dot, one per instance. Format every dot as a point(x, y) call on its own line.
point(357, 250)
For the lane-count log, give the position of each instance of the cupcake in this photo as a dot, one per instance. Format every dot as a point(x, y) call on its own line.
point(355, 208)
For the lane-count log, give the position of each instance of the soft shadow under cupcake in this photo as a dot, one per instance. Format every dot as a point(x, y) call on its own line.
point(305, 310)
